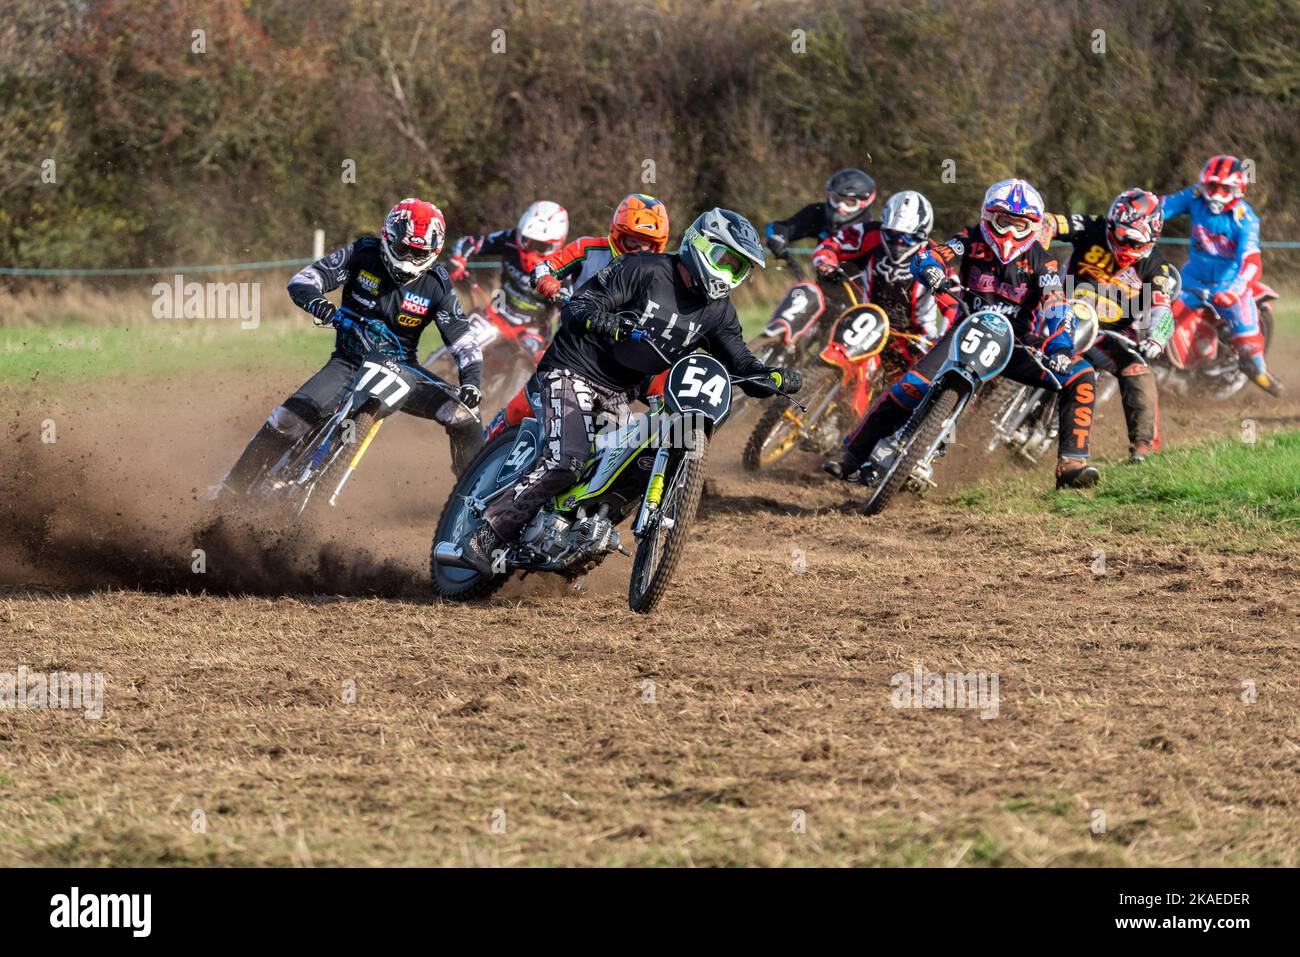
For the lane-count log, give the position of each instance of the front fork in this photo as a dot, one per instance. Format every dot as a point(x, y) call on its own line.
point(654, 491)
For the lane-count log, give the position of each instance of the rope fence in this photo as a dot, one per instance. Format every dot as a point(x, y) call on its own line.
point(298, 263)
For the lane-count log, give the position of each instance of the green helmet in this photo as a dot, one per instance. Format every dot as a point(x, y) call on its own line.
point(718, 249)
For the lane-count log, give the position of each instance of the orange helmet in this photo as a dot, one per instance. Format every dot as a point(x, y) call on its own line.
point(639, 217)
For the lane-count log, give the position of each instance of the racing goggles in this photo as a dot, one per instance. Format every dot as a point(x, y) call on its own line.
point(1010, 224)
point(847, 204)
point(1131, 237)
point(901, 244)
point(727, 260)
point(405, 252)
point(540, 246)
point(1223, 192)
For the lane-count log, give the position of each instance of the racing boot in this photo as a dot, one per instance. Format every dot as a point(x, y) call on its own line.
point(466, 439)
point(1075, 473)
point(1268, 382)
point(266, 446)
point(482, 547)
point(846, 468)
point(1139, 452)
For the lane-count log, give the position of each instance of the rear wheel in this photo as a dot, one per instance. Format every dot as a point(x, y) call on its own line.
point(779, 429)
point(660, 549)
point(914, 445)
point(478, 480)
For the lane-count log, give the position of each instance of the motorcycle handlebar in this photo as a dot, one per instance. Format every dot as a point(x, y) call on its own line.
point(639, 335)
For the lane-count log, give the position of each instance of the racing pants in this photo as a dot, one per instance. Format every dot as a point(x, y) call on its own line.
point(1137, 389)
point(572, 411)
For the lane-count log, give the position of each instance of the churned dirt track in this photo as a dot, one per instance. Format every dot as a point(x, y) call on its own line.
point(748, 721)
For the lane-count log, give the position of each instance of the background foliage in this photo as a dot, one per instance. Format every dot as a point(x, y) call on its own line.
point(165, 155)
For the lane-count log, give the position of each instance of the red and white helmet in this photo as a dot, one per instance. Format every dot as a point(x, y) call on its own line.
point(541, 231)
point(1133, 225)
point(1223, 182)
point(411, 239)
point(1011, 217)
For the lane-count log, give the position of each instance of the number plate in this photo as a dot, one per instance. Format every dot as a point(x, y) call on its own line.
point(861, 331)
point(699, 383)
point(983, 343)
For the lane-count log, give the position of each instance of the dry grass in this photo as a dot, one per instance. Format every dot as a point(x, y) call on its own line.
point(1120, 694)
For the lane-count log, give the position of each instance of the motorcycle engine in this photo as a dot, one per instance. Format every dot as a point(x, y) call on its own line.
point(546, 534)
point(555, 537)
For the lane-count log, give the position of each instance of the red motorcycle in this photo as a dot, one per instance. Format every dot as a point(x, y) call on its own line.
point(510, 350)
point(863, 354)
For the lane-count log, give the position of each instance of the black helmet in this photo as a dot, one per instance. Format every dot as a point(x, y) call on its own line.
point(849, 194)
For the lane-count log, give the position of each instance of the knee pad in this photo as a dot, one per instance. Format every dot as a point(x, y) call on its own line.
point(288, 423)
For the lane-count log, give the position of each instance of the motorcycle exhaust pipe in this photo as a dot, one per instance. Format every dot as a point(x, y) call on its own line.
point(448, 553)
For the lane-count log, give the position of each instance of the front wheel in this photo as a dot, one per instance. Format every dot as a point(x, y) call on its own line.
point(779, 429)
point(921, 436)
point(661, 547)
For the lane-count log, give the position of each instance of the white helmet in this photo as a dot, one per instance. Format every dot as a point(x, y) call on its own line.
point(541, 231)
point(905, 224)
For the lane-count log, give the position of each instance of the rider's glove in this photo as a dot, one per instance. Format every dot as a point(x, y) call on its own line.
point(777, 243)
point(549, 286)
point(825, 262)
point(1060, 363)
point(1226, 299)
point(459, 270)
point(786, 380)
point(1150, 348)
point(322, 311)
point(606, 326)
point(470, 396)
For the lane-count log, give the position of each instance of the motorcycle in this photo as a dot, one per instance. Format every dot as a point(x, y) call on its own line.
point(1026, 421)
point(863, 354)
point(507, 362)
point(1216, 371)
point(320, 463)
point(789, 335)
point(652, 467)
point(979, 350)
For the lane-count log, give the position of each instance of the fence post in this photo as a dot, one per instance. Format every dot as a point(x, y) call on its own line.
point(318, 244)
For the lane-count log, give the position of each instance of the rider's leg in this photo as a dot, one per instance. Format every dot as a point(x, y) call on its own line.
point(570, 405)
point(1242, 318)
point(1078, 388)
point(888, 413)
point(1137, 392)
point(286, 425)
point(289, 422)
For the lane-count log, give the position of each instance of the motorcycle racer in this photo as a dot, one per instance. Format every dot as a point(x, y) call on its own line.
point(591, 368)
point(540, 232)
point(389, 279)
point(882, 253)
point(998, 264)
point(640, 224)
point(849, 195)
point(1224, 260)
point(1116, 267)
